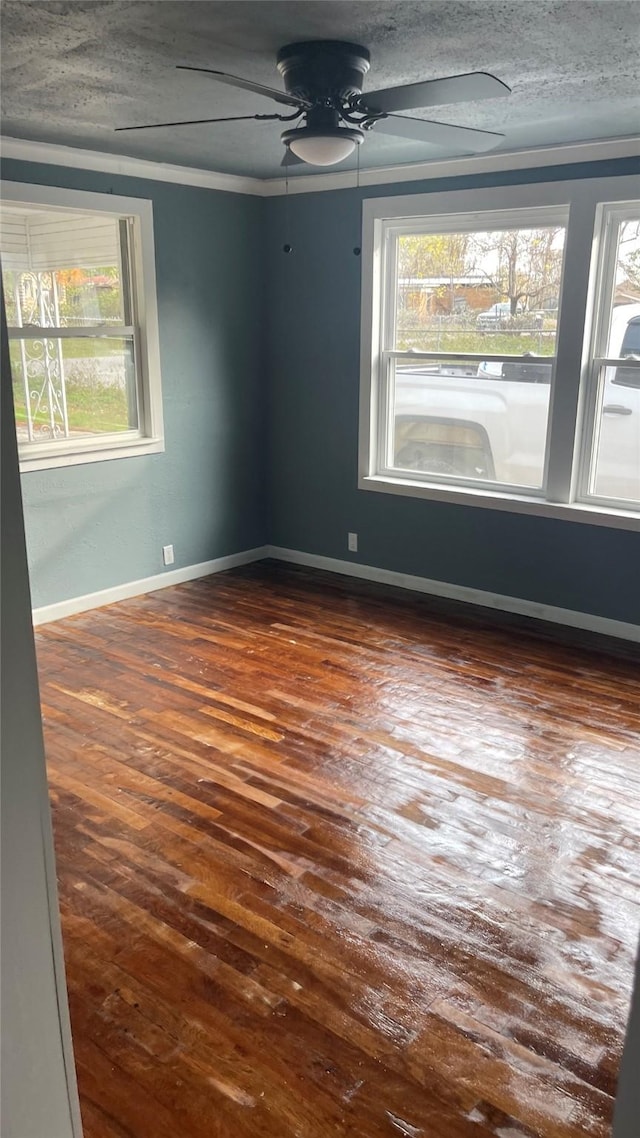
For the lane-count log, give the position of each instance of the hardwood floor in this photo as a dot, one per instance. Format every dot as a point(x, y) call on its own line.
point(334, 863)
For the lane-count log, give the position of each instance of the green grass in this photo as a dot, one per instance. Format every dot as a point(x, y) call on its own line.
point(99, 408)
point(92, 406)
point(88, 349)
point(493, 343)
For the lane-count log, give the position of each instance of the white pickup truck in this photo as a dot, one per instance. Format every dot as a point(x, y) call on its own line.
point(490, 422)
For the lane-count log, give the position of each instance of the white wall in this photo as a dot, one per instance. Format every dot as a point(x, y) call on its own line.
point(626, 1122)
point(39, 1098)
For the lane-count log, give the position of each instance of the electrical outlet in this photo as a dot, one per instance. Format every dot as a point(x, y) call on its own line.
point(352, 542)
point(167, 554)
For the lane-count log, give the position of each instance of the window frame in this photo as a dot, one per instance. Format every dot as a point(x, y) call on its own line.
point(493, 220)
point(148, 437)
point(559, 496)
point(609, 217)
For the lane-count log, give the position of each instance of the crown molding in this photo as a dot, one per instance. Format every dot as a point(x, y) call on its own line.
point(53, 155)
point(534, 157)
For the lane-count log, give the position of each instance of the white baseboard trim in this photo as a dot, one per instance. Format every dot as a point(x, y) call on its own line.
point(584, 620)
point(57, 611)
point(569, 617)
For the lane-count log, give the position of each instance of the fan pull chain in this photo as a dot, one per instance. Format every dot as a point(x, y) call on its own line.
point(287, 247)
point(356, 248)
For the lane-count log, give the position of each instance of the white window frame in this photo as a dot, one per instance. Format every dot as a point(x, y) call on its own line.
point(492, 221)
point(568, 407)
point(609, 217)
point(148, 438)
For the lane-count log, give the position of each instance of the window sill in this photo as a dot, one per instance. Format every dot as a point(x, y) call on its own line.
point(49, 460)
point(510, 503)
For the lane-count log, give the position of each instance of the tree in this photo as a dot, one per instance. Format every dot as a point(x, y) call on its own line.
point(434, 256)
point(422, 255)
point(522, 265)
point(93, 292)
point(629, 253)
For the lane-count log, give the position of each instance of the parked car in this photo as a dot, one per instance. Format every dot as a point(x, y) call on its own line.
point(495, 317)
point(493, 425)
point(618, 468)
point(630, 349)
point(534, 370)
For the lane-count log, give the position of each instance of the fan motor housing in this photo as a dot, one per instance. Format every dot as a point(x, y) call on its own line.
point(323, 71)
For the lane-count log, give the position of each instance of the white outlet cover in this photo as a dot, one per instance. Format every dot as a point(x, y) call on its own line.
point(167, 554)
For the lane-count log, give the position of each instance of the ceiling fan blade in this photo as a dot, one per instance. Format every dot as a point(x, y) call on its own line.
point(439, 133)
point(246, 85)
point(291, 159)
point(196, 122)
point(467, 88)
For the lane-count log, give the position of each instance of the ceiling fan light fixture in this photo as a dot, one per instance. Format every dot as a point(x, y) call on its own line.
point(322, 147)
point(323, 82)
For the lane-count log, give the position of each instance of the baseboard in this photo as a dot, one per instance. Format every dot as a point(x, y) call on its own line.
point(57, 611)
point(572, 619)
point(568, 617)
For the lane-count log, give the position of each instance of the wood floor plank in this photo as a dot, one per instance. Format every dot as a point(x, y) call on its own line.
point(335, 860)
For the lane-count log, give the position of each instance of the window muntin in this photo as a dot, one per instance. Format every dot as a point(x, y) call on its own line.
point(79, 291)
point(461, 343)
point(611, 446)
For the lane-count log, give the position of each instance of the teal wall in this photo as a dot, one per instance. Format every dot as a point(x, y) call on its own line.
point(101, 524)
point(260, 367)
point(313, 329)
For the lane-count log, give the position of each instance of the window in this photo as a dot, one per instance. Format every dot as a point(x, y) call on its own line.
point(611, 450)
point(493, 341)
point(79, 286)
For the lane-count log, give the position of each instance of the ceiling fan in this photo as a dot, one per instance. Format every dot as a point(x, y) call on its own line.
point(323, 87)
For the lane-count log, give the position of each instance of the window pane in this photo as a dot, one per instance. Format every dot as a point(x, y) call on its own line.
point(70, 389)
point(624, 322)
point(484, 422)
point(616, 462)
point(614, 470)
point(62, 269)
point(484, 291)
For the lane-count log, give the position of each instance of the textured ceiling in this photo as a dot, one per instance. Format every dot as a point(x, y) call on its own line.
point(71, 72)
